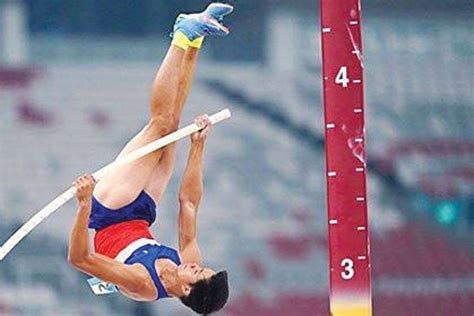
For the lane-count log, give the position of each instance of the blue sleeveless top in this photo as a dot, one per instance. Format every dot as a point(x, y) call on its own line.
point(147, 255)
point(142, 208)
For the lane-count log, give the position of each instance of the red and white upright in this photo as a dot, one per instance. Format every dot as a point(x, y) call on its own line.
point(349, 249)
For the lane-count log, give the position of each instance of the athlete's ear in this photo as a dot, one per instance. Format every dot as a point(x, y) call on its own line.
point(186, 289)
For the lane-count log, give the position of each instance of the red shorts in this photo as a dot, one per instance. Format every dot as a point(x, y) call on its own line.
point(114, 238)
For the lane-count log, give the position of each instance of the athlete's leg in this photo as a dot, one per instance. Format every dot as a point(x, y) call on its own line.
point(162, 173)
point(188, 68)
point(121, 185)
point(164, 93)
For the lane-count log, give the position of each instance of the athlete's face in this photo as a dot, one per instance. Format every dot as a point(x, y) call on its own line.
point(190, 273)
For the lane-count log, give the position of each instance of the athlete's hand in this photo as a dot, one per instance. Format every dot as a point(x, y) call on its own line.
point(84, 186)
point(204, 124)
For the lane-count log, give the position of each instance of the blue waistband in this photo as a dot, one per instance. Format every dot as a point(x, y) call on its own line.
point(142, 208)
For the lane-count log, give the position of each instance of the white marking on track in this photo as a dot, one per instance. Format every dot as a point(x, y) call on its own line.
point(326, 29)
point(360, 228)
point(361, 257)
point(359, 169)
point(357, 81)
point(330, 125)
point(357, 110)
point(333, 221)
point(360, 199)
point(353, 22)
point(332, 173)
point(359, 140)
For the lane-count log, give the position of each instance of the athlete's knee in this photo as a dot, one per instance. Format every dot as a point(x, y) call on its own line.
point(162, 124)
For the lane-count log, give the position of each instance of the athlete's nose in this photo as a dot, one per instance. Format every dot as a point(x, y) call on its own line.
point(195, 268)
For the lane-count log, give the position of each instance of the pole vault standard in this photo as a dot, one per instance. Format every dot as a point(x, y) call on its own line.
point(64, 197)
point(348, 231)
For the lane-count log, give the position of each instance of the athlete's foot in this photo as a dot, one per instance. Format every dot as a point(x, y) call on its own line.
point(206, 23)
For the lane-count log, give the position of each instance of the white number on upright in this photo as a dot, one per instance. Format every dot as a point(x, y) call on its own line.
point(348, 265)
point(341, 77)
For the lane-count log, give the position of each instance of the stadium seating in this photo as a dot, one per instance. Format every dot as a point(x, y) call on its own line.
point(263, 212)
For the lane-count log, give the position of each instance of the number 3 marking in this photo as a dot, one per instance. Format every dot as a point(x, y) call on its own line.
point(341, 77)
point(348, 265)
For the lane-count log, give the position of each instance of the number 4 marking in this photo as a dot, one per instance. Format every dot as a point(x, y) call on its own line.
point(348, 265)
point(341, 77)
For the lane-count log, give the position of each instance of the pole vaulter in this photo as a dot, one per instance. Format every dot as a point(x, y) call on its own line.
point(122, 205)
point(348, 230)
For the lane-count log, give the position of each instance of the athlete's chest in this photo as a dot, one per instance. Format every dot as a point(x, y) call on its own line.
point(147, 292)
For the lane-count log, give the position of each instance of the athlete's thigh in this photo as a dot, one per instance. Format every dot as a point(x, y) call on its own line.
point(162, 173)
point(122, 184)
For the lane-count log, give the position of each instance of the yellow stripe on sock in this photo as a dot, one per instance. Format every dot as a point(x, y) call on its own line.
point(180, 40)
point(197, 43)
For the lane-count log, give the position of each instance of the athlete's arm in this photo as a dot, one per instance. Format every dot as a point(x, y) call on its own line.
point(79, 256)
point(190, 193)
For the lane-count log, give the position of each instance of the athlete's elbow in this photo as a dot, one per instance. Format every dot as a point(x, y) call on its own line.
point(74, 261)
point(190, 197)
point(78, 261)
point(189, 201)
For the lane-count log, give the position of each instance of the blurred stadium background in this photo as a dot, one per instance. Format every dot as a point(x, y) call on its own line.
point(74, 87)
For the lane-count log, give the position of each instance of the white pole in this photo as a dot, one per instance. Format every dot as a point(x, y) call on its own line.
point(64, 197)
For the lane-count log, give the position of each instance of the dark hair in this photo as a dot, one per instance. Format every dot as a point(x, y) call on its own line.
point(209, 295)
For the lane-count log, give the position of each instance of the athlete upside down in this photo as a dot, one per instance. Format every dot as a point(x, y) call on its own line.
point(122, 205)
